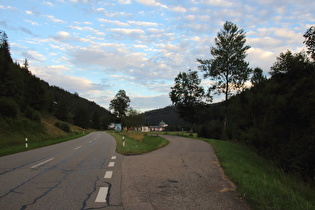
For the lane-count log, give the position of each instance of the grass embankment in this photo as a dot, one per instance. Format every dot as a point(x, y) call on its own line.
point(39, 134)
point(262, 184)
point(258, 180)
point(137, 143)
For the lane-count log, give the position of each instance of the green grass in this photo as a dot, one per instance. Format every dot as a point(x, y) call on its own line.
point(6, 150)
point(39, 133)
point(137, 143)
point(261, 183)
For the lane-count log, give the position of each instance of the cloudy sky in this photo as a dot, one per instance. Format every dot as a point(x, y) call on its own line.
point(97, 47)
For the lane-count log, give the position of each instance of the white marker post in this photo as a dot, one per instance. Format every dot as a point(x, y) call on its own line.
point(26, 144)
point(123, 141)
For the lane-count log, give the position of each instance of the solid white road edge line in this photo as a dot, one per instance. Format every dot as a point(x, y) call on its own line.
point(77, 147)
point(111, 164)
point(108, 174)
point(39, 164)
point(102, 194)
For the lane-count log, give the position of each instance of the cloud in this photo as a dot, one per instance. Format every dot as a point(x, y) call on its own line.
point(53, 19)
point(152, 3)
point(32, 22)
point(8, 8)
point(127, 31)
point(106, 13)
point(261, 58)
point(48, 3)
point(221, 3)
point(26, 30)
point(124, 1)
point(179, 9)
point(56, 75)
point(143, 23)
point(145, 103)
point(33, 55)
point(118, 59)
point(113, 22)
point(62, 36)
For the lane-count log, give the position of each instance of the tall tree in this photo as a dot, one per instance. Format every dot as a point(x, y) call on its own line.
point(4, 47)
point(310, 41)
point(81, 117)
point(134, 118)
point(258, 76)
point(228, 68)
point(96, 121)
point(187, 95)
point(120, 104)
point(289, 63)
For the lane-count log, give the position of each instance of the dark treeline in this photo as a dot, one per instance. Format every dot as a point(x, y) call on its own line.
point(169, 115)
point(23, 95)
point(276, 116)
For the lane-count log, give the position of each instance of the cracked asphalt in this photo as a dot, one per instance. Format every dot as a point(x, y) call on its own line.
point(62, 176)
point(183, 175)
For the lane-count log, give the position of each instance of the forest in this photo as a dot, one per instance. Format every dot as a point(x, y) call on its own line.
point(25, 97)
point(275, 115)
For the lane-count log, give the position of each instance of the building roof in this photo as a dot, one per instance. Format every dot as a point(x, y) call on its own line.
point(162, 123)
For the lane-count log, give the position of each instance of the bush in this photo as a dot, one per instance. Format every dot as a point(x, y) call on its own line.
point(32, 114)
point(8, 107)
point(210, 130)
point(63, 126)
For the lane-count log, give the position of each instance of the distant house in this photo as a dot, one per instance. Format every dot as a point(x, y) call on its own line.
point(145, 129)
point(161, 127)
point(158, 128)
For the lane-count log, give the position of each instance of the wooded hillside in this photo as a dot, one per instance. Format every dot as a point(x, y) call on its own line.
point(25, 96)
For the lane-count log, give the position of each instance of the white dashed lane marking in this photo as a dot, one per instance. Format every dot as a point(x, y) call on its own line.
point(102, 194)
point(39, 164)
point(103, 191)
point(77, 147)
point(108, 174)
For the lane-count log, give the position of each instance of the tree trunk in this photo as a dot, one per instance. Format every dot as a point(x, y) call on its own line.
point(226, 109)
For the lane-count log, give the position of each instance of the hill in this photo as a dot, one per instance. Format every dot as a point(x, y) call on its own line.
point(28, 103)
point(168, 114)
point(276, 116)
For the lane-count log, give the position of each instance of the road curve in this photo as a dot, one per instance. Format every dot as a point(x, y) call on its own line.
point(79, 174)
point(183, 175)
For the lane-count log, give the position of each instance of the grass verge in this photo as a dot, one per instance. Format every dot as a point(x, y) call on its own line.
point(137, 143)
point(7, 150)
point(261, 183)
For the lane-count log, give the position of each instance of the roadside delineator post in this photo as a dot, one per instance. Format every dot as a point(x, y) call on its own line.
point(26, 143)
point(123, 141)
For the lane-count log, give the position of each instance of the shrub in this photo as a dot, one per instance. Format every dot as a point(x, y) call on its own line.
point(32, 114)
point(8, 107)
point(63, 126)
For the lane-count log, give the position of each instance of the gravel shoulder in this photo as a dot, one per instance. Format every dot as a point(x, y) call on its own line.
point(183, 175)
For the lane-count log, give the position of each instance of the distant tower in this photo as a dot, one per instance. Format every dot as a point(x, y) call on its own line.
point(163, 124)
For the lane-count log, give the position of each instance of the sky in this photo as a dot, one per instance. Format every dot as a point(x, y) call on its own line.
point(96, 48)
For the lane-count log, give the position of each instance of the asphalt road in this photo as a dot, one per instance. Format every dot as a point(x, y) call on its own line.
point(84, 173)
point(183, 175)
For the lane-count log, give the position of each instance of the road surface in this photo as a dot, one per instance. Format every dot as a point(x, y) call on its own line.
point(79, 174)
point(183, 175)
point(86, 173)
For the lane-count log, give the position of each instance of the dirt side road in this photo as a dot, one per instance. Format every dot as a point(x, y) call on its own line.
point(183, 175)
